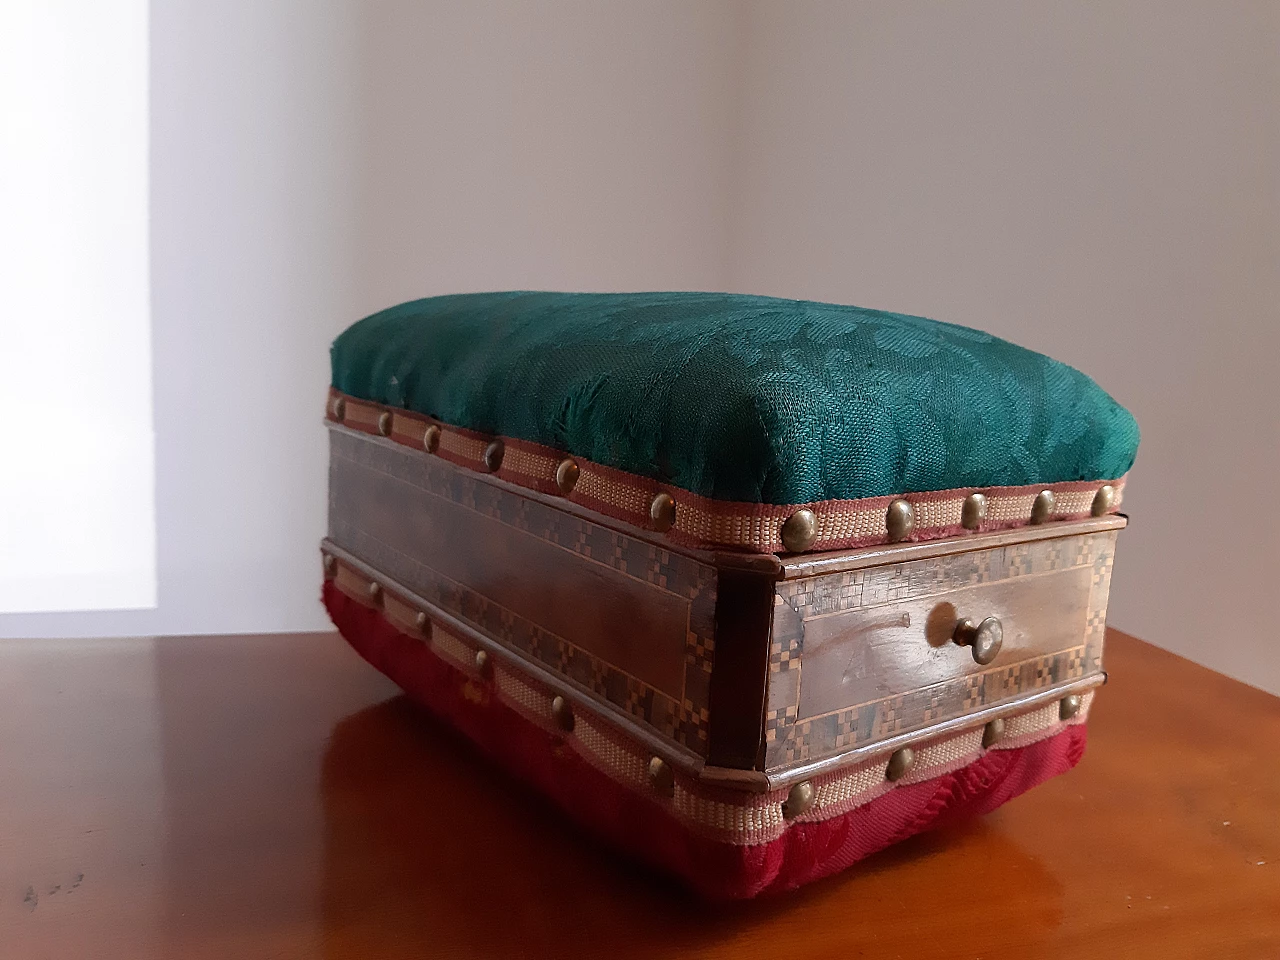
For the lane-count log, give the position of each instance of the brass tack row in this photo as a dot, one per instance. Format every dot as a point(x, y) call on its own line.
point(661, 775)
point(798, 532)
point(800, 798)
point(662, 509)
point(561, 709)
point(377, 594)
point(802, 795)
point(801, 528)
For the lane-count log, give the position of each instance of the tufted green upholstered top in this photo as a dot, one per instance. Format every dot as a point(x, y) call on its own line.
point(742, 398)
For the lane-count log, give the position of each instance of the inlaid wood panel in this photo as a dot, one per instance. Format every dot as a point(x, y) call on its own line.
point(622, 617)
point(862, 655)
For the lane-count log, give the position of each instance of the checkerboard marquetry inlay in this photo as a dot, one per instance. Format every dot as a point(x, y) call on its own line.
point(876, 595)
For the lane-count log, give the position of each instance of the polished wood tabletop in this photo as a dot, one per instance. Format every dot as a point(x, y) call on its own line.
point(273, 796)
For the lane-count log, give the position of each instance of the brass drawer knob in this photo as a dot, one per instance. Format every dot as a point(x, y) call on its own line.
point(984, 638)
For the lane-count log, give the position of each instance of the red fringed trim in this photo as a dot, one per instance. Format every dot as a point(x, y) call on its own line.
point(637, 823)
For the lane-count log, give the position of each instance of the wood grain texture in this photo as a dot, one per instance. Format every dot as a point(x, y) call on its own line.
point(855, 655)
point(273, 796)
point(629, 620)
point(744, 605)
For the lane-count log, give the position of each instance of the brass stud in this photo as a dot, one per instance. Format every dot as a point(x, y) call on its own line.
point(900, 520)
point(993, 732)
point(662, 512)
point(1042, 506)
point(661, 777)
point(800, 530)
point(1103, 500)
point(562, 713)
point(422, 622)
point(330, 566)
point(339, 408)
point(493, 456)
point(384, 423)
point(431, 438)
point(974, 511)
point(1070, 706)
point(900, 764)
point(483, 666)
point(375, 591)
point(567, 475)
point(799, 799)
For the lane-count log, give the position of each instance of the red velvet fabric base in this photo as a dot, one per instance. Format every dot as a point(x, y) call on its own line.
point(637, 823)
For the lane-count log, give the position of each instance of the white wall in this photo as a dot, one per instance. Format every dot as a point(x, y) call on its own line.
point(314, 161)
point(77, 463)
point(549, 145)
point(1100, 182)
point(1097, 181)
point(252, 167)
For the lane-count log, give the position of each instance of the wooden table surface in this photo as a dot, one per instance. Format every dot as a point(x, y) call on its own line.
point(272, 796)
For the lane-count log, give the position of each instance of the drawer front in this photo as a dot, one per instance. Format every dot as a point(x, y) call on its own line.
point(864, 655)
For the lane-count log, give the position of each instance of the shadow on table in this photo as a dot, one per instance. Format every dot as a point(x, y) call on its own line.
point(430, 852)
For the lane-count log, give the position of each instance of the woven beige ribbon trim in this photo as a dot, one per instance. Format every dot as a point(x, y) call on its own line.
point(756, 818)
point(703, 522)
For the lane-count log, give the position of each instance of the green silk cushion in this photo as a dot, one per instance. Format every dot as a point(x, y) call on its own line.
point(742, 398)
